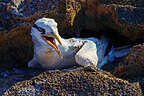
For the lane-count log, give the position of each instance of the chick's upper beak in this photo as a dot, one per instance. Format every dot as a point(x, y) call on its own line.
point(57, 37)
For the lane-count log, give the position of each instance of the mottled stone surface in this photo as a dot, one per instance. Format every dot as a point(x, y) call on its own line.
point(6, 20)
point(81, 81)
point(137, 3)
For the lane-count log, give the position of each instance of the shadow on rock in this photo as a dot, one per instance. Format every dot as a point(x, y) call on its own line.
point(9, 78)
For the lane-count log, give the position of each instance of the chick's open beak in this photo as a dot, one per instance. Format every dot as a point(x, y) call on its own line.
point(56, 48)
point(51, 42)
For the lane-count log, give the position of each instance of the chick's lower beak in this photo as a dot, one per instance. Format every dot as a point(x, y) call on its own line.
point(58, 39)
point(59, 53)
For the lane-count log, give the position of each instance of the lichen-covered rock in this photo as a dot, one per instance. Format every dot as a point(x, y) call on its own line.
point(133, 64)
point(63, 11)
point(81, 81)
point(125, 20)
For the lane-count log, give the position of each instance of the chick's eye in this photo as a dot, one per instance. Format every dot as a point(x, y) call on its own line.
point(41, 30)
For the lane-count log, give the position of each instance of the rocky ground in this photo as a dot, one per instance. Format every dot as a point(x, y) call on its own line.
point(120, 20)
point(79, 81)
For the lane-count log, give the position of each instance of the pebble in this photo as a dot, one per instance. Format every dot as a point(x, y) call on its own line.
point(53, 92)
point(4, 74)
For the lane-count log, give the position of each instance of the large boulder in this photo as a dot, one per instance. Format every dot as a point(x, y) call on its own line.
point(133, 63)
point(16, 46)
point(81, 81)
point(131, 68)
point(114, 19)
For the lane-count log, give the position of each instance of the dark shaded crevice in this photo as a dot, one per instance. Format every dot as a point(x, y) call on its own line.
point(85, 33)
point(118, 40)
point(115, 39)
